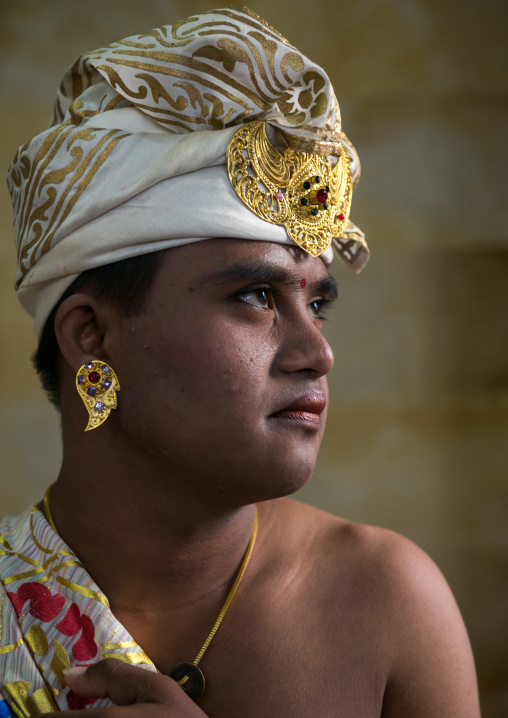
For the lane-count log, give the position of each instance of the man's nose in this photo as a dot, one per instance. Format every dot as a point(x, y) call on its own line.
point(305, 349)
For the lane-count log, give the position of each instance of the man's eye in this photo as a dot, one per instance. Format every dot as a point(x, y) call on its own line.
point(317, 308)
point(257, 297)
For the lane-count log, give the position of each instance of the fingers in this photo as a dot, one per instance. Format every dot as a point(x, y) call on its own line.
point(121, 683)
point(127, 685)
point(142, 710)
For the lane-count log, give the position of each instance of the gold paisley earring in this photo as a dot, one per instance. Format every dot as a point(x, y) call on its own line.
point(97, 385)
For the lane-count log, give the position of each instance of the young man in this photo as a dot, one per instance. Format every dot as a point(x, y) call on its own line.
point(200, 368)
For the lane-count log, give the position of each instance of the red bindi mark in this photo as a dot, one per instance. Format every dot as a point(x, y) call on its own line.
point(303, 283)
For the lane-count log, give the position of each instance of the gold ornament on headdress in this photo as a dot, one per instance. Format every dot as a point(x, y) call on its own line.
point(97, 385)
point(299, 190)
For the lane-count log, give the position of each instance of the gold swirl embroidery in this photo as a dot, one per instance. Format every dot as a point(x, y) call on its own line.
point(36, 640)
point(195, 97)
point(256, 22)
point(24, 171)
point(316, 79)
point(158, 92)
point(228, 53)
point(79, 72)
point(159, 33)
point(44, 156)
point(10, 552)
point(301, 96)
point(2, 601)
point(218, 119)
point(40, 701)
point(88, 592)
point(82, 77)
point(135, 657)
point(29, 574)
point(291, 60)
point(117, 100)
point(5, 543)
point(39, 214)
point(204, 81)
point(63, 564)
point(60, 661)
point(41, 548)
point(270, 49)
point(27, 559)
point(12, 647)
point(319, 106)
point(110, 140)
point(116, 82)
point(121, 644)
point(353, 250)
point(198, 67)
point(58, 113)
point(68, 199)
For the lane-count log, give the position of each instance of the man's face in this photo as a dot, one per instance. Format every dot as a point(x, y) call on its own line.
point(223, 374)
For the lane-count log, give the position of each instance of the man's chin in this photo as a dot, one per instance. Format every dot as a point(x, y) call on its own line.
point(275, 481)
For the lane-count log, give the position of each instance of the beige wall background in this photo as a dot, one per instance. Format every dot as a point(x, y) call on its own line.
point(418, 428)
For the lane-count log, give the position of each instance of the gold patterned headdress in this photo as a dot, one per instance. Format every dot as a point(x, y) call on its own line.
point(214, 126)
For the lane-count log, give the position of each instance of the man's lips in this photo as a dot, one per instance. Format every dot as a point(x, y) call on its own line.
point(306, 408)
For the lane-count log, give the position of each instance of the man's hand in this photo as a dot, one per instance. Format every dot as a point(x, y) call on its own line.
point(137, 693)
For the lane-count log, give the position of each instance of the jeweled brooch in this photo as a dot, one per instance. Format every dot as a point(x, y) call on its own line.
point(303, 192)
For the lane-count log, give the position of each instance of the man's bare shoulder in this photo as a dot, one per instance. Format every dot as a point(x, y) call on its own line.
point(380, 592)
point(335, 542)
point(380, 563)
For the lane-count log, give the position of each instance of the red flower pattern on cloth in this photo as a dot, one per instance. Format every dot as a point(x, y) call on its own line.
point(43, 605)
point(72, 623)
point(77, 702)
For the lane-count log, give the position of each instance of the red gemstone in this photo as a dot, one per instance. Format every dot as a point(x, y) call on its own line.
point(321, 196)
point(341, 216)
point(94, 377)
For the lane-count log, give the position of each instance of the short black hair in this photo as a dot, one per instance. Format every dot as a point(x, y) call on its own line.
point(124, 284)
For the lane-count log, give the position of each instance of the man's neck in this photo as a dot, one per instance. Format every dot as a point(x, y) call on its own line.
point(146, 541)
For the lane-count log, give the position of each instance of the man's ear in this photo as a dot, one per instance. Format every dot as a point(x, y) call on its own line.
point(81, 325)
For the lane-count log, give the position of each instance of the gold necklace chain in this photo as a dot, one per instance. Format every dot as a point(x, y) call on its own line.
point(195, 690)
point(47, 510)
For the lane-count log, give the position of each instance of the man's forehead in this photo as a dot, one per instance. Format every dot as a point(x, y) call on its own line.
point(275, 262)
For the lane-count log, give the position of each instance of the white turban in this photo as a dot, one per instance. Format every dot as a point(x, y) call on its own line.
point(135, 159)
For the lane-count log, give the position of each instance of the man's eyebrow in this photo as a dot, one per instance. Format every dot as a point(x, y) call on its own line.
point(327, 286)
point(265, 272)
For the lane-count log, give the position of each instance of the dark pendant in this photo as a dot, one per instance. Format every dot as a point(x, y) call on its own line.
point(194, 686)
